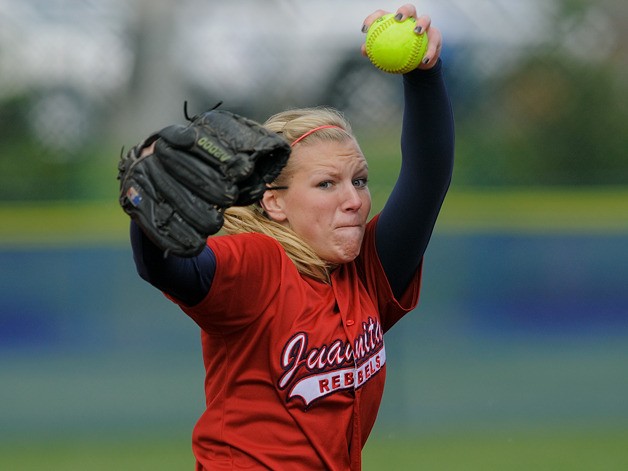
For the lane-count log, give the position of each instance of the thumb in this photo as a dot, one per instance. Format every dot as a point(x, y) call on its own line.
point(178, 135)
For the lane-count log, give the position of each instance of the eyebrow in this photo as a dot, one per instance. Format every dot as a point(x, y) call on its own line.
point(319, 173)
point(322, 168)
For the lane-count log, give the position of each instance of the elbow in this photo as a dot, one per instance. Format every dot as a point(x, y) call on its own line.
point(142, 269)
point(141, 247)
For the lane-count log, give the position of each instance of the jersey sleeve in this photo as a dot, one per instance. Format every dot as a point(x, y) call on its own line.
point(246, 279)
point(391, 308)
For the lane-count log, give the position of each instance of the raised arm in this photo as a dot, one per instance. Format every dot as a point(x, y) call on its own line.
point(427, 143)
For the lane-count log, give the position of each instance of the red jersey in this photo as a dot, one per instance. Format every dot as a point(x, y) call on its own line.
point(295, 367)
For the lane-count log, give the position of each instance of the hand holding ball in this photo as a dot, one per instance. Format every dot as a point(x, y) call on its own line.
point(393, 46)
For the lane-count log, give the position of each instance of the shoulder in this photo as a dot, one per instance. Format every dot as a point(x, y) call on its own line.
point(250, 269)
point(245, 243)
point(247, 249)
point(249, 239)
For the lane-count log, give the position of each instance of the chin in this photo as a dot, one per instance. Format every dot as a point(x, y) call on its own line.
point(343, 249)
point(347, 254)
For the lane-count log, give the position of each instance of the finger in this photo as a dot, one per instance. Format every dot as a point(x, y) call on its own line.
point(406, 11)
point(208, 183)
point(178, 135)
point(148, 150)
point(434, 47)
point(423, 23)
point(193, 210)
point(368, 21)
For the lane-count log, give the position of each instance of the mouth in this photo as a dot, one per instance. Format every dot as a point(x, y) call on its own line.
point(350, 226)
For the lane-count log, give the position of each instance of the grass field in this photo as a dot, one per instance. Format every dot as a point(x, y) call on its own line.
point(543, 450)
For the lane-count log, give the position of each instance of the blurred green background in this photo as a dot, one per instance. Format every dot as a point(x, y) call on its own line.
point(517, 357)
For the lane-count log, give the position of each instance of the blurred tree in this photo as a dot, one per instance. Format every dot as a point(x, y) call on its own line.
point(24, 174)
point(559, 117)
point(31, 170)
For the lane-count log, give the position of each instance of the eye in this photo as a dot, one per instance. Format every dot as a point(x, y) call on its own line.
point(360, 182)
point(325, 184)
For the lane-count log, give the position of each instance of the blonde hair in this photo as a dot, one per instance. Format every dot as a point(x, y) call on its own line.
point(292, 125)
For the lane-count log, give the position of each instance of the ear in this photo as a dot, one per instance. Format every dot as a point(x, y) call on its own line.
point(273, 203)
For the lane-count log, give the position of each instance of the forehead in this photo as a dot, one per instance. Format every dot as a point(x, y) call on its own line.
point(328, 154)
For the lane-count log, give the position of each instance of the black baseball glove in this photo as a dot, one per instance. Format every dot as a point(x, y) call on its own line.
point(177, 193)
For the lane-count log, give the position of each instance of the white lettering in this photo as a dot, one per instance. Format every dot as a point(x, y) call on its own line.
point(327, 364)
point(292, 354)
point(320, 385)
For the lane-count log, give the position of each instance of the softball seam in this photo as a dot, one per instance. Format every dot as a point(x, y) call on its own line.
point(411, 58)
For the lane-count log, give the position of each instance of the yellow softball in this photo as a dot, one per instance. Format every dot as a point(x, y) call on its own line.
point(393, 46)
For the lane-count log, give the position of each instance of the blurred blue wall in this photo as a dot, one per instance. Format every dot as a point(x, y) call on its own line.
point(511, 331)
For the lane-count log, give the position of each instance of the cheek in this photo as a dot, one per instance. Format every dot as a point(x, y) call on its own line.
point(367, 201)
point(315, 217)
point(312, 218)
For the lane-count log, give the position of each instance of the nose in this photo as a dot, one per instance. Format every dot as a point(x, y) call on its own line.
point(351, 198)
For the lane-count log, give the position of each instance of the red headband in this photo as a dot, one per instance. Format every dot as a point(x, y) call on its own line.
point(311, 131)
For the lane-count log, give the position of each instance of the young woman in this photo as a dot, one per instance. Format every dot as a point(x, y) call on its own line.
point(294, 300)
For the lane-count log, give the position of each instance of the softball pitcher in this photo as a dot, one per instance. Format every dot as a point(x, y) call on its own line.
point(294, 298)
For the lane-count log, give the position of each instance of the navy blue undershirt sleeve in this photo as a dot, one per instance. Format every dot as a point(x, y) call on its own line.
point(427, 146)
point(186, 279)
